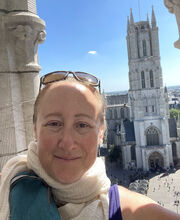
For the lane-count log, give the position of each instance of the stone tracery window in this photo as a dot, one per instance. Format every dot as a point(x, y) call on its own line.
point(122, 113)
point(143, 80)
point(151, 79)
point(115, 114)
point(144, 48)
point(110, 113)
point(152, 136)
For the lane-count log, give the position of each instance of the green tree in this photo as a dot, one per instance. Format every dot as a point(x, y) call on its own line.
point(174, 113)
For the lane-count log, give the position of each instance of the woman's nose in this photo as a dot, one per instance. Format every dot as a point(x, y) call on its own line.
point(67, 139)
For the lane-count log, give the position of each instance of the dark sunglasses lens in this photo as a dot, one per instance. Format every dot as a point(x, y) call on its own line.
point(52, 77)
point(87, 77)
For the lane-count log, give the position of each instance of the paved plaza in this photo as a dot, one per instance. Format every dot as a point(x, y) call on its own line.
point(165, 189)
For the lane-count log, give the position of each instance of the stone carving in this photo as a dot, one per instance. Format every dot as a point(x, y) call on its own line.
point(18, 5)
point(174, 7)
point(24, 41)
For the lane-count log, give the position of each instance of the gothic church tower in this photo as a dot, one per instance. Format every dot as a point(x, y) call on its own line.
point(147, 96)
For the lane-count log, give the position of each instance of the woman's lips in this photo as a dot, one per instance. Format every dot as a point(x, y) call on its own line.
point(67, 158)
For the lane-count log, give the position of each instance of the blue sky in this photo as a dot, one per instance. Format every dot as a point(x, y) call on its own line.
point(90, 36)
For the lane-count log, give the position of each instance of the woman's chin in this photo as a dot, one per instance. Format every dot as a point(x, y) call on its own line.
point(67, 179)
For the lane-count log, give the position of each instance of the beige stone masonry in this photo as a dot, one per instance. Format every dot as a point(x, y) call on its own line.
point(21, 33)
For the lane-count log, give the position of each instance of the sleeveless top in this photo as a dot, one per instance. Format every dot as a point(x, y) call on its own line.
point(114, 204)
point(30, 197)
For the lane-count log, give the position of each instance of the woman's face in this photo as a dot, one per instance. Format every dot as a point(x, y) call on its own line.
point(67, 130)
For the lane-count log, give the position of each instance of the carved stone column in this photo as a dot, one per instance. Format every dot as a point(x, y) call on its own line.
point(21, 32)
point(174, 7)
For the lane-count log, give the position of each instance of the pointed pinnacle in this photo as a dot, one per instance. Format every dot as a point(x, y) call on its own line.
point(147, 18)
point(153, 18)
point(128, 22)
point(131, 17)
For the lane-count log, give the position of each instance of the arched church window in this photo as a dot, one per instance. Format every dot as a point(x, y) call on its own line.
point(143, 80)
point(115, 114)
point(110, 114)
point(151, 79)
point(152, 137)
point(133, 153)
point(144, 48)
point(122, 113)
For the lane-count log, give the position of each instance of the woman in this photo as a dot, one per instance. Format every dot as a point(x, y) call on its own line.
point(68, 126)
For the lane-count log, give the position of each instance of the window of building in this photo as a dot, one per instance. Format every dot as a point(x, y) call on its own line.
point(146, 109)
point(151, 79)
point(115, 114)
point(152, 137)
point(143, 80)
point(144, 48)
point(152, 108)
point(122, 113)
point(110, 114)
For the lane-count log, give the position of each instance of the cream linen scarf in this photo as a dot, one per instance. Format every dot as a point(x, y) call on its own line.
point(85, 199)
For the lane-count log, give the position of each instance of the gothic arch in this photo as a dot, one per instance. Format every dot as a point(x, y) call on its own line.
point(144, 48)
point(143, 84)
point(156, 161)
point(122, 113)
point(110, 113)
point(152, 136)
point(151, 77)
point(133, 152)
point(115, 114)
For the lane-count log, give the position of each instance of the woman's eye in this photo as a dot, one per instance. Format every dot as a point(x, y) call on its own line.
point(83, 125)
point(54, 124)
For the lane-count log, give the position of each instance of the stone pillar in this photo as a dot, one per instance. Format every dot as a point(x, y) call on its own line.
point(174, 7)
point(145, 160)
point(21, 32)
point(126, 151)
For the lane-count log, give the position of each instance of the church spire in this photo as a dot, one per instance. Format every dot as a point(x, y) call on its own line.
point(148, 18)
point(153, 18)
point(131, 17)
point(128, 23)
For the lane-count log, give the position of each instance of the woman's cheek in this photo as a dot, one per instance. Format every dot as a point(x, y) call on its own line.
point(46, 142)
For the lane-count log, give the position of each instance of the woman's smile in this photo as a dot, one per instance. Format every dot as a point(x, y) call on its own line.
point(67, 158)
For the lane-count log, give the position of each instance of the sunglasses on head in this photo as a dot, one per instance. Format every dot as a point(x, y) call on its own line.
point(62, 75)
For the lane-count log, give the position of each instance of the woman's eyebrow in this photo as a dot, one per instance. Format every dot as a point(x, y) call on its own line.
point(57, 114)
point(84, 115)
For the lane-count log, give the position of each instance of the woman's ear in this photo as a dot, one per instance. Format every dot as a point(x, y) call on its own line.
point(35, 132)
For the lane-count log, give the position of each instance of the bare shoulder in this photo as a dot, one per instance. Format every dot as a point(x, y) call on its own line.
point(135, 206)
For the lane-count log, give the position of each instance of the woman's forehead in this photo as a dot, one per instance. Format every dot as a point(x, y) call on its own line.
point(68, 87)
point(67, 91)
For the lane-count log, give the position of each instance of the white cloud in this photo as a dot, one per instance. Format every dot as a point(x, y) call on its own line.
point(93, 52)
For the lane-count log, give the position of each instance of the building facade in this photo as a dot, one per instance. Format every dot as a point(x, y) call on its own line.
point(149, 145)
point(21, 32)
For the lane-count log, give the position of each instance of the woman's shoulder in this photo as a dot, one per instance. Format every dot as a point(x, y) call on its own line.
point(135, 206)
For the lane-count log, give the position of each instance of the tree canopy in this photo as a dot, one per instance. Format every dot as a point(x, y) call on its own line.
point(174, 113)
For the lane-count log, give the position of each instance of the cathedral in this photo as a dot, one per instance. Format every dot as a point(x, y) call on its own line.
point(138, 122)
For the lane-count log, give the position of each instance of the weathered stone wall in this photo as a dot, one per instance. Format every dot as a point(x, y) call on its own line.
point(19, 5)
point(21, 32)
